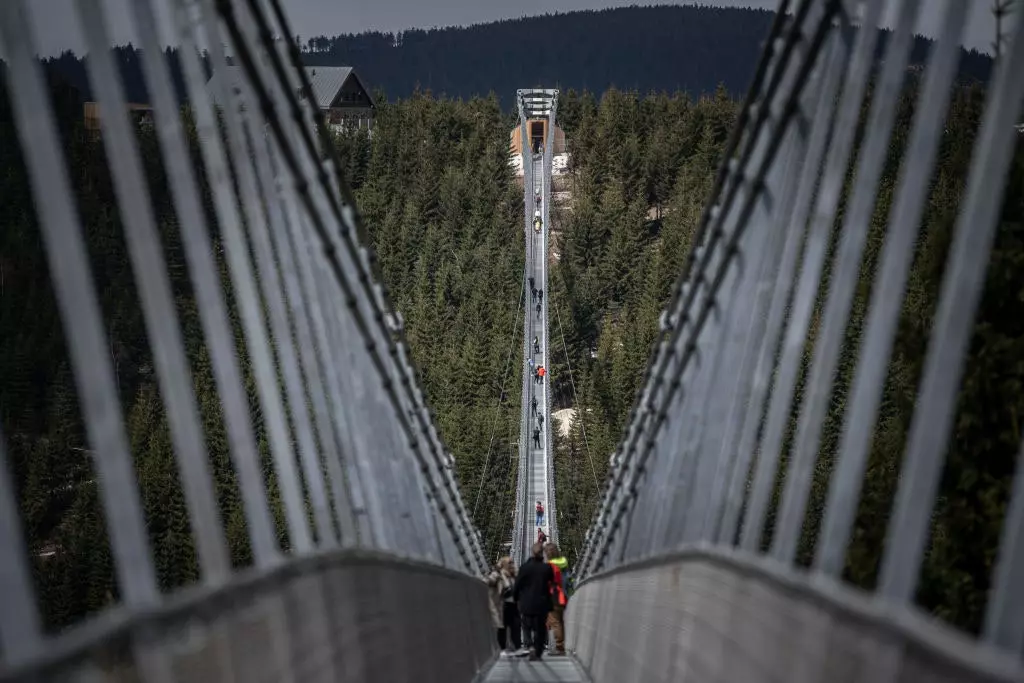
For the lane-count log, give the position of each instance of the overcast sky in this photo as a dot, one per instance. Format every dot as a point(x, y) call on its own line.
point(56, 24)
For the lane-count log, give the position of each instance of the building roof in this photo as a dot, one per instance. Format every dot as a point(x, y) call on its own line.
point(326, 81)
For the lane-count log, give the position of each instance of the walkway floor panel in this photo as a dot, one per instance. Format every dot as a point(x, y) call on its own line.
point(548, 670)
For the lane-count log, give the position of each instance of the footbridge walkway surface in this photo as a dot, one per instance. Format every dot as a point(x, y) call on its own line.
point(689, 570)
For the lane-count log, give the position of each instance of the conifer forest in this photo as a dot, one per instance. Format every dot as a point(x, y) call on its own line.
point(444, 214)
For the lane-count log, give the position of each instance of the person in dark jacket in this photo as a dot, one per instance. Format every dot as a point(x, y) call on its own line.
point(532, 593)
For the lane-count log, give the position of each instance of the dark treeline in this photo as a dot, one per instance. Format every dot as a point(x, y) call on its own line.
point(642, 169)
point(662, 48)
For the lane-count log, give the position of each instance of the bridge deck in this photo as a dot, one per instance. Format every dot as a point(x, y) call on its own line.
point(547, 670)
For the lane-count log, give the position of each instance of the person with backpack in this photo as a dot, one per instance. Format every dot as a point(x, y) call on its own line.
point(540, 513)
point(532, 592)
point(559, 595)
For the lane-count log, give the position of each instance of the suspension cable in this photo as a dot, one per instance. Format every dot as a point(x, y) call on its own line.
point(509, 487)
point(583, 425)
point(501, 394)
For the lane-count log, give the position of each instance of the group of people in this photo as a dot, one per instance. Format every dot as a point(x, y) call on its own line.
point(525, 605)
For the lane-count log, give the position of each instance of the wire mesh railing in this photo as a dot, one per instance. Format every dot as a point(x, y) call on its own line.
point(787, 314)
point(303, 345)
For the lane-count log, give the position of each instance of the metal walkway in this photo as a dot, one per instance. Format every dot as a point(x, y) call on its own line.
point(548, 670)
point(536, 476)
point(376, 574)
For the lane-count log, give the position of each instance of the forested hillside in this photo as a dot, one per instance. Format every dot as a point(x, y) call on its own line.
point(664, 48)
point(658, 154)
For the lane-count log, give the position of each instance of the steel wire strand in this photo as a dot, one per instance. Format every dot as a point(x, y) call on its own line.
point(247, 60)
point(497, 407)
point(656, 357)
point(369, 277)
point(583, 426)
point(729, 248)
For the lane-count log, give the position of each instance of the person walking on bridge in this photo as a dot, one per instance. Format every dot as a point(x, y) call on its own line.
point(533, 291)
point(559, 596)
point(540, 513)
point(540, 296)
point(504, 613)
point(533, 402)
point(538, 310)
point(540, 373)
point(536, 345)
point(536, 438)
point(540, 422)
point(533, 595)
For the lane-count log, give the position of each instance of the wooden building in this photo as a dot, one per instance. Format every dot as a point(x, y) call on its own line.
point(538, 131)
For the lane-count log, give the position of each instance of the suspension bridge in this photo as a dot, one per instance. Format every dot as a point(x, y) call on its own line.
point(381, 580)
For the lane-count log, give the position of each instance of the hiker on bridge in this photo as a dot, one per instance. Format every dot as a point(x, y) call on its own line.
point(532, 288)
point(559, 595)
point(533, 402)
point(538, 310)
point(540, 422)
point(536, 438)
point(533, 291)
point(541, 371)
point(532, 592)
point(536, 345)
point(540, 296)
point(540, 513)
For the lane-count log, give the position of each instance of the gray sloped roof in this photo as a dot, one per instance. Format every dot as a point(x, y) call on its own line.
point(326, 81)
